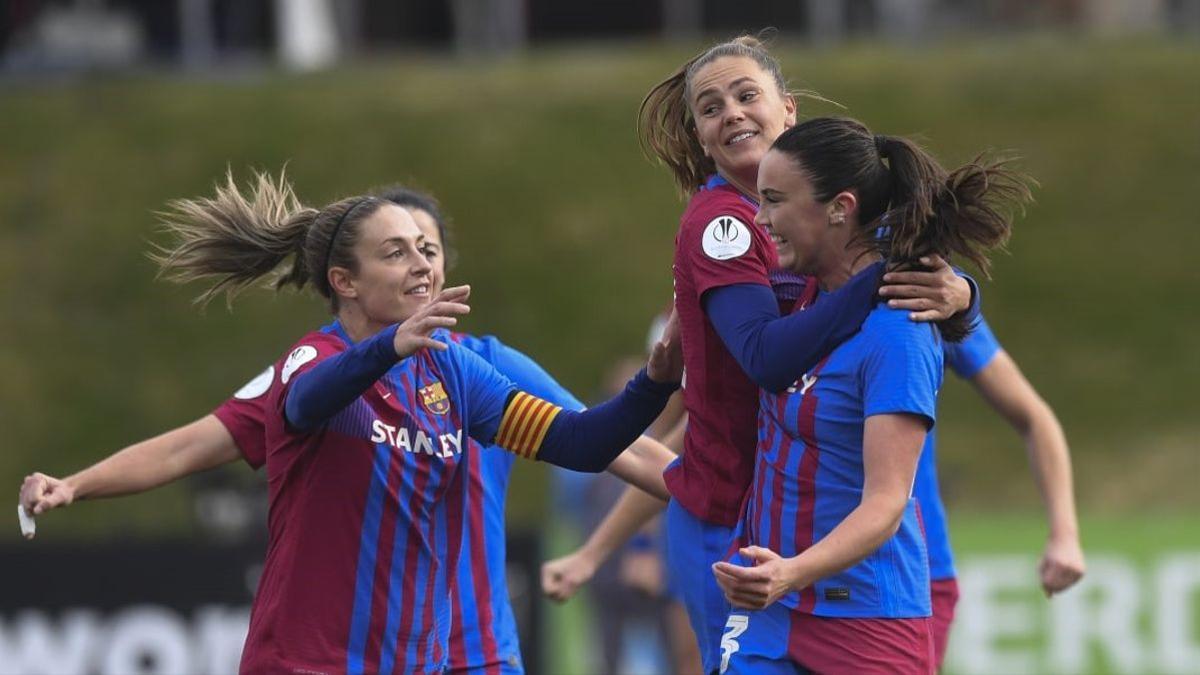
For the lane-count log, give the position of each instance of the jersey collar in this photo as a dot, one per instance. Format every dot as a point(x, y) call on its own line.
point(717, 180)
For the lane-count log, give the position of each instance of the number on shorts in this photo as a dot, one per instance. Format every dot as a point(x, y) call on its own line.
point(735, 626)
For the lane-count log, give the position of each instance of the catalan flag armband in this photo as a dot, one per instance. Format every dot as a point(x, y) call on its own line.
point(525, 423)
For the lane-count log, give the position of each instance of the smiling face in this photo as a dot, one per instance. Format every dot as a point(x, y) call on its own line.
point(739, 112)
point(811, 236)
point(394, 277)
point(435, 248)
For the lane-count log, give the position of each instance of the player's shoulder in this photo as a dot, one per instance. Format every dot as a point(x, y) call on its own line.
point(323, 338)
point(313, 346)
point(720, 202)
point(484, 345)
point(893, 327)
point(463, 350)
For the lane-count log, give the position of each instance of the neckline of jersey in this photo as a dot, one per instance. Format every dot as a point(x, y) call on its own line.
point(717, 180)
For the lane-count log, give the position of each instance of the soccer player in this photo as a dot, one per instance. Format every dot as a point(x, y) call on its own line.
point(483, 636)
point(981, 360)
point(829, 550)
point(366, 451)
point(711, 122)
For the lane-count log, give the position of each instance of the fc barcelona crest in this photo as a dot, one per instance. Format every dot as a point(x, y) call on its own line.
point(435, 399)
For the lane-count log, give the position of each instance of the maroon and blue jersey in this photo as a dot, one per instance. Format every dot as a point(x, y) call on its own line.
point(718, 244)
point(483, 632)
point(809, 471)
point(966, 359)
point(366, 514)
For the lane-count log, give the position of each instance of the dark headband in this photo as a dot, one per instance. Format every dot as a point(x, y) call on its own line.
point(338, 228)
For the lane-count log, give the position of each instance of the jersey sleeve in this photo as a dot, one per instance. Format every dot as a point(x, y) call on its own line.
point(307, 354)
point(486, 391)
point(720, 245)
point(529, 376)
point(902, 368)
point(974, 353)
point(244, 416)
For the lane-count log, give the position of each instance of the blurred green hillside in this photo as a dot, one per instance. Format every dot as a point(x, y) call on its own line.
point(565, 232)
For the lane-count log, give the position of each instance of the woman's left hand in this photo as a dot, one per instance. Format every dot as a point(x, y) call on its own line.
point(931, 296)
point(755, 587)
point(666, 359)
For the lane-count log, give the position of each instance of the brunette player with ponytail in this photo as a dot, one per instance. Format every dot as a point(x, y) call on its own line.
point(829, 549)
point(710, 123)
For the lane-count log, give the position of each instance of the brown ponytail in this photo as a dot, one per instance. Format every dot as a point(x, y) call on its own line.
point(232, 240)
point(908, 205)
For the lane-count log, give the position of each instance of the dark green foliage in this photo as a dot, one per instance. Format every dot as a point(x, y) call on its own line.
point(565, 232)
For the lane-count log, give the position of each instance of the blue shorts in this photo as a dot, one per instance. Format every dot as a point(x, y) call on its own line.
point(780, 641)
point(692, 547)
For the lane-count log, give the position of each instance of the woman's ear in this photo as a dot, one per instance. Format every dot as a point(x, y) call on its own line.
point(341, 282)
point(843, 207)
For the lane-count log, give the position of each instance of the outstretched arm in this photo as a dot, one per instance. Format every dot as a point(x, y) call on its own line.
point(775, 352)
point(325, 389)
point(642, 465)
point(562, 577)
point(591, 439)
point(143, 466)
point(1005, 388)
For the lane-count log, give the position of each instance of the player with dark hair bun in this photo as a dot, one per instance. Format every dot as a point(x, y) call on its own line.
point(829, 550)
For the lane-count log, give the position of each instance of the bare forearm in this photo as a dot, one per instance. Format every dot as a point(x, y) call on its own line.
point(1050, 461)
point(157, 461)
point(642, 465)
point(863, 531)
point(632, 511)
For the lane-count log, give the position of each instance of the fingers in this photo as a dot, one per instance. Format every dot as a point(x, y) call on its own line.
point(444, 309)
point(431, 323)
point(739, 573)
point(671, 332)
point(31, 491)
point(1058, 577)
point(430, 343)
point(665, 363)
point(740, 593)
point(923, 310)
point(936, 262)
point(554, 585)
point(40, 493)
point(759, 554)
point(453, 294)
point(923, 281)
point(928, 316)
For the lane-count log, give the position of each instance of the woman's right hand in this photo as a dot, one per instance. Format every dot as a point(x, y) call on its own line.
point(562, 577)
point(414, 334)
point(40, 493)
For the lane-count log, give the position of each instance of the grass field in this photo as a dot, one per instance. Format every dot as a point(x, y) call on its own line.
point(565, 231)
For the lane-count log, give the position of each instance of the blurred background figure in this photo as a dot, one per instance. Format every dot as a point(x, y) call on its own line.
point(84, 35)
point(521, 114)
point(625, 596)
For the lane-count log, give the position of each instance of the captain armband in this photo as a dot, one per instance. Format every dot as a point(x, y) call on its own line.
point(525, 423)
